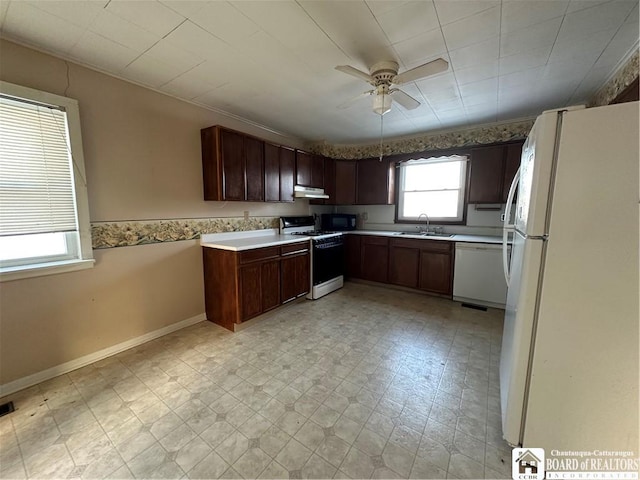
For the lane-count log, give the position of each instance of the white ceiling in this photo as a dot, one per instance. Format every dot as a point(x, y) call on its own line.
point(272, 62)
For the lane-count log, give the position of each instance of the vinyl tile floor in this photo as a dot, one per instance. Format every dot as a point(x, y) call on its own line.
point(366, 382)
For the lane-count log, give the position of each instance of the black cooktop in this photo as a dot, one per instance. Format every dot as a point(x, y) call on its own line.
point(314, 233)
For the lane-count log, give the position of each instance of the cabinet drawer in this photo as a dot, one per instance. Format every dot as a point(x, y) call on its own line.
point(374, 240)
point(291, 248)
point(436, 246)
point(406, 243)
point(248, 256)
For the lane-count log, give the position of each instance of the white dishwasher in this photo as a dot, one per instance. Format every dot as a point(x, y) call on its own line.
point(478, 277)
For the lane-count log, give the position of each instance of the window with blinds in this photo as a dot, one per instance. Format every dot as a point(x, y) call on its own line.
point(41, 182)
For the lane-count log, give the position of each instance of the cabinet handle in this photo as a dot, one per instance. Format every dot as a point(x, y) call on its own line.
point(295, 252)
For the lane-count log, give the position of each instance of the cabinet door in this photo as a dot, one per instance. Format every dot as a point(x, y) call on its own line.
point(329, 183)
point(270, 284)
point(303, 274)
point(317, 171)
point(374, 258)
point(487, 173)
point(375, 182)
point(512, 163)
point(254, 164)
point(435, 272)
point(352, 255)
point(345, 182)
point(211, 163)
point(295, 276)
point(403, 266)
point(233, 184)
point(250, 291)
point(271, 173)
point(304, 163)
point(221, 294)
point(287, 173)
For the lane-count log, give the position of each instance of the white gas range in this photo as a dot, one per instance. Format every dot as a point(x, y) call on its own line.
point(327, 254)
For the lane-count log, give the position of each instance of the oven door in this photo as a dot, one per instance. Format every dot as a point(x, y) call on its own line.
point(328, 260)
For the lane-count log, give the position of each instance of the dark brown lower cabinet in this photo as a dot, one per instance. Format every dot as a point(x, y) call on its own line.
point(242, 285)
point(259, 288)
point(270, 285)
point(295, 276)
point(414, 263)
point(404, 259)
point(250, 285)
point(374, 258)
point(352, 255)
point(435, 272)
point(436, 267)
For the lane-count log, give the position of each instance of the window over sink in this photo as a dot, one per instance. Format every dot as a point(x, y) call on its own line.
point(434, 187)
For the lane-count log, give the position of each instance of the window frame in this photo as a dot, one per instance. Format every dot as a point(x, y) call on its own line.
point(462, 219)
point(35, 267)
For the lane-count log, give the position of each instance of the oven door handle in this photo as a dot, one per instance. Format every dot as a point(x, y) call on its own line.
point(326, 246)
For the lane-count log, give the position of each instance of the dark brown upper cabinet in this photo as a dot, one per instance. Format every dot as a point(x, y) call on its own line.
point(287, 173)
point(345, 182)
point(329, 183)
point(309, 170)
point(232, 165)
point(254, 169)
point(492, 170)
point(271, 172)
point(375, 182)
point(279, 169)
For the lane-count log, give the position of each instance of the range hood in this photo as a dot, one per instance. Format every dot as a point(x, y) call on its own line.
point(308, 192)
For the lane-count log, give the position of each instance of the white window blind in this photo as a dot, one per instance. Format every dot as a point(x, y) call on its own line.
point(44, 208)
point(36, 177)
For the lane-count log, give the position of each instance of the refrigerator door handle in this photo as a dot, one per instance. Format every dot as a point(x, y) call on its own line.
point(508, 227)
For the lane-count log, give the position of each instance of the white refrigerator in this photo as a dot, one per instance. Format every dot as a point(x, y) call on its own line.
point(569, 356)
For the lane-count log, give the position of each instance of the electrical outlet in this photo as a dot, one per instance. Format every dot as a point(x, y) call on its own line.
point(365, 216)
point(246, 215)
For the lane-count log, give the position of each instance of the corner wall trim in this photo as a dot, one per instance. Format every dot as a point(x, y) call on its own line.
point(49, 373)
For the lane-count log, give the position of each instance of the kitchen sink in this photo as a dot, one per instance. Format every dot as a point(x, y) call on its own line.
point(426, 234)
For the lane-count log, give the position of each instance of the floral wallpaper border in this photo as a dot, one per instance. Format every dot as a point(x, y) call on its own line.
point(620, 80)
point(127, 234)
point(435, 141)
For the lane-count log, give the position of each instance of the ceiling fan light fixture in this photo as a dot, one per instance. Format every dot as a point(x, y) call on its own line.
point(382, 103)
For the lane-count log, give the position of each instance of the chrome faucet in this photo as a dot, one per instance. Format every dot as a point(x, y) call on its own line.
point(426, 230)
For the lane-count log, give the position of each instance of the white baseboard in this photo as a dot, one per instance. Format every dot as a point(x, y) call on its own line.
point(49, 373)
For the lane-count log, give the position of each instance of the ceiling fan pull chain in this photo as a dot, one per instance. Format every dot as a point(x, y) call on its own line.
point(381, 120)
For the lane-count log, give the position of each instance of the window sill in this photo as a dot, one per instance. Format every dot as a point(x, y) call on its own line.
point(8, 274)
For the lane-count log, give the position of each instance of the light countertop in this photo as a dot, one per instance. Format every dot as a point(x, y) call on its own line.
point(453, 238)
point(238, 241)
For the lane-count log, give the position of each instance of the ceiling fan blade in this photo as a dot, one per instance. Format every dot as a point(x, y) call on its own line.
point(404, 99)
point(354, 72)
point(431, 68)
point(351, 101)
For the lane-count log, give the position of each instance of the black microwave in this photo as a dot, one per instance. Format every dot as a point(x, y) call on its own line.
point(338, 222)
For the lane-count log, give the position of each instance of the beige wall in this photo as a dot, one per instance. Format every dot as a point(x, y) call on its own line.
point(142, 156)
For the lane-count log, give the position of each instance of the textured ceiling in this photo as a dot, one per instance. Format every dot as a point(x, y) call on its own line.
point(272, 62)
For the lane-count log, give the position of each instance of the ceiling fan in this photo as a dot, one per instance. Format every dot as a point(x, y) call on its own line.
point(383, 75)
